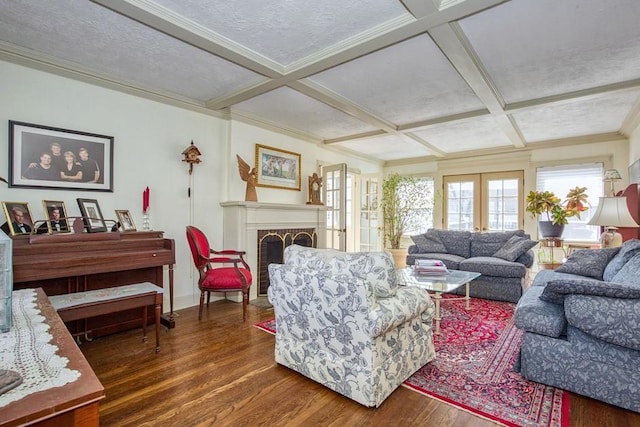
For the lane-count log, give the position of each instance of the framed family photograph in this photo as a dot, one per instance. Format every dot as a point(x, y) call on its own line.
point(19, 218)
point(125, 220)
point(47, 157)
point(92, 215)
point(277, 168)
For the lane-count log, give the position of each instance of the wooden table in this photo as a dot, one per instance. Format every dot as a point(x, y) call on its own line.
point(74, 404)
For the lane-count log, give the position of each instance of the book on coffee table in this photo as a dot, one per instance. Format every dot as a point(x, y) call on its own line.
point(430, 267)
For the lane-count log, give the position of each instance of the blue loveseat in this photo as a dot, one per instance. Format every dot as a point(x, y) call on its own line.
point(582, 326)
point(502, 258)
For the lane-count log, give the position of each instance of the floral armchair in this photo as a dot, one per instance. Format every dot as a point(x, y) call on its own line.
point(342, 321)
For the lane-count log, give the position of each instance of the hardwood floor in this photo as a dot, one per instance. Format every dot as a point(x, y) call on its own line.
point(221, 371)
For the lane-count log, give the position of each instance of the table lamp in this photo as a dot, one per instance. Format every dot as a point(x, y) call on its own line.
point(612, 212)
point(611, 176)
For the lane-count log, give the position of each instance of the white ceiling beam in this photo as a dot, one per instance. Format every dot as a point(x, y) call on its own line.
point(327, 96)
point(419, 8)
point(571, 97)
point(456, 47)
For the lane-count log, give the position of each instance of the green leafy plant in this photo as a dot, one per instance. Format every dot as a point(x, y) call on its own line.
point(558, 212)
point(401, 203)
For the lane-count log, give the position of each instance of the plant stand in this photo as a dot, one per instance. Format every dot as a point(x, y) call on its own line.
point(551, 253)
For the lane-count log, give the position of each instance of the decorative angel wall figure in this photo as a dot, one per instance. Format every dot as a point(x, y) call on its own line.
point(249, 176)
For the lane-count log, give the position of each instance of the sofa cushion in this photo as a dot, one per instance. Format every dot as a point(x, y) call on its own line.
point(588, 262)
point(456, 242)
point(428, 242)
point(557, 290)
point(627, 251)
point(613, 320)
point(629, 272)
point(377, 269)
point(514, 248)
point(540, 317)
point(486, 244)
point(496, 267)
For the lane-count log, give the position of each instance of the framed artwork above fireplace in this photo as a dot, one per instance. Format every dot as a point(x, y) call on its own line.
point(277, 168)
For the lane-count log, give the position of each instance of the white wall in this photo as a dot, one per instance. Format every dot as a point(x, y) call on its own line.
point(149, 139)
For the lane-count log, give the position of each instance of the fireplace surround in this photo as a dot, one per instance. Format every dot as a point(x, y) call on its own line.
point(248, 224)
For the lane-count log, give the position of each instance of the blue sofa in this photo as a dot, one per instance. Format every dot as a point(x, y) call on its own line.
point(582, 326)
point(502, 258)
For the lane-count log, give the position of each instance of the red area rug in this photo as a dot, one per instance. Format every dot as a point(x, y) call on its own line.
point(473, 370)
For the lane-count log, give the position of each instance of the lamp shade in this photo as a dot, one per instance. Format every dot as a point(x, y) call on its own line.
point(611, 174)
point(613, 212)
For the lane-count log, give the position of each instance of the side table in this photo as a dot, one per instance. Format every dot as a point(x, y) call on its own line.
point(551, 253)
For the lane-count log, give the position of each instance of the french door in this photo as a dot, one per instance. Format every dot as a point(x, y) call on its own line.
point(335, 183)
point(484, 202)
point(369, 226)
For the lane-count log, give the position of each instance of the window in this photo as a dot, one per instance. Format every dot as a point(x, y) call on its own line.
point(561, 179)
point(422, 217)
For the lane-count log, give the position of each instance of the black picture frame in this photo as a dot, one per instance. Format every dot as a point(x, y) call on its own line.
point(92, 215)
point(30, 144)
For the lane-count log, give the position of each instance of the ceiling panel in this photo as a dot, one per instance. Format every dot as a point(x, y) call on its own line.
point(589, 117)
point(538, 48)
point(404, 83)
point(465, 135)
point(288, 31)
point(386, 147)
point(297, 111)
point(110, 44)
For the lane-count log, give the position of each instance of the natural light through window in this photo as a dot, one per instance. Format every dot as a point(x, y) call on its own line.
point(560, 179)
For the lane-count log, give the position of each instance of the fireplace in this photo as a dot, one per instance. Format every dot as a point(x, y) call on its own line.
point(246, 224)
point(271, 245)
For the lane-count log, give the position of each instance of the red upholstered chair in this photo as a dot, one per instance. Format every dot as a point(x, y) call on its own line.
point(219, 279)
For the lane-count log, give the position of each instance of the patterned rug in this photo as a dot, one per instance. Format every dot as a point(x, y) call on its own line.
point(473, 369)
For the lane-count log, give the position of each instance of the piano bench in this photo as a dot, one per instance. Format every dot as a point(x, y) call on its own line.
point(82, 305)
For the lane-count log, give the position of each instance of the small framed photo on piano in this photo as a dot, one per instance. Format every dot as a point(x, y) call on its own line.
point(19, 218)
point(92, 215)
point(125, 220)
point(56, 215)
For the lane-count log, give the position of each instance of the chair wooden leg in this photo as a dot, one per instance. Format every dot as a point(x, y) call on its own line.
point(201, 304)
point(245, 302)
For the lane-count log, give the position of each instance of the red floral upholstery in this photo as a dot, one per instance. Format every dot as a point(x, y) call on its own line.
point(219, 279)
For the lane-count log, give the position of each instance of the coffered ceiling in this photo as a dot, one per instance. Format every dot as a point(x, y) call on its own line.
point(389, 80)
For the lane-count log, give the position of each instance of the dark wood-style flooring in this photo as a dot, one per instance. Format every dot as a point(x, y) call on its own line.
point(221, 371)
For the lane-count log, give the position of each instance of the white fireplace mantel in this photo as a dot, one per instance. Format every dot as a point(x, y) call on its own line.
point(243, 220)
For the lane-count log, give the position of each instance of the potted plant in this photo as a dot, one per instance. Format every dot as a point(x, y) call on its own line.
point(400, 204)
point(557, 213)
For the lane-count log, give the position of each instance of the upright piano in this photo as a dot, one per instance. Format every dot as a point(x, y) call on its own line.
point(74, 262)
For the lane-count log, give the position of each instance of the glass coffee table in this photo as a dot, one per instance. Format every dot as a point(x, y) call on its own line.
point(438, 285)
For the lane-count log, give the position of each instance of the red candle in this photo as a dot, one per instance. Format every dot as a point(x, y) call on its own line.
point(145, 200)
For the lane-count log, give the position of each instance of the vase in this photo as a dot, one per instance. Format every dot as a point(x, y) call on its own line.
point(399, 257)
point(549, 229)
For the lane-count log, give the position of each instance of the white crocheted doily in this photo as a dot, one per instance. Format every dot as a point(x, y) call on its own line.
point(26, 349)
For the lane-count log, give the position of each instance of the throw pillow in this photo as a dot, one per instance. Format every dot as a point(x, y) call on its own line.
point(628, 274)
point(627, 251)
point(514, 248)
point(428, 243)
point(588, 262)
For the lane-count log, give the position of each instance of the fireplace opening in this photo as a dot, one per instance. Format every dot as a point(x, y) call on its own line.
point(271, 245)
